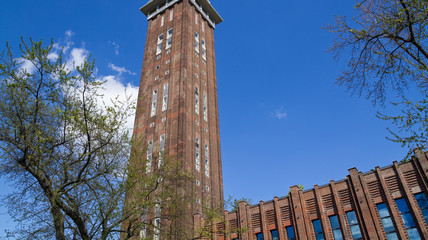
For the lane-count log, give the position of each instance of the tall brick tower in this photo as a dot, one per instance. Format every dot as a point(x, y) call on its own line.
point(177, 110)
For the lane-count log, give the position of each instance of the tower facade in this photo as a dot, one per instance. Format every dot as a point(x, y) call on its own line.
point(177, 108)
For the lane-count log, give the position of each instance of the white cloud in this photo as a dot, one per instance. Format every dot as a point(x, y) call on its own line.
point(27, 65)
point(116, 48)
point(113, 89)
point(280, 114)
point(69, 33)
point(120, 70)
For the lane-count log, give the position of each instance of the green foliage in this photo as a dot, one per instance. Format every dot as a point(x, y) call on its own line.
point(411, 125)
point(384, 46)
point(232, 203)
point(65, 153)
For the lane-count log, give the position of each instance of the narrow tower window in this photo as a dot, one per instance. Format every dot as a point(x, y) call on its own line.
point(203, 26)
point(149, 156)
point(162, 21)
point(197, 158)
point(154, 101)
point(157, 222)
point(196, 18)
point(165, 97)
point(171, 15)
point(169, 39)
point(207, 165)
point(205, 108)
point(159, 44)
point(161, 150)
point(204, 50)
point(196, 100)
point(196, 42)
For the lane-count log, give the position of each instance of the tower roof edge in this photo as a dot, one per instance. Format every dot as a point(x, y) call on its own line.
point(153, 7)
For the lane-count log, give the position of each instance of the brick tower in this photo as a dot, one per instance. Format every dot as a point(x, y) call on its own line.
point(177, 110)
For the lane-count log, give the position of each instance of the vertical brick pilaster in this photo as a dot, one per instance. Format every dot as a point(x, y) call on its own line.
point(278, 219)
point(422, 165)
point(363, 205)
point(296, 207)
point(263, 220)
point(243, 220)
point(226, 226)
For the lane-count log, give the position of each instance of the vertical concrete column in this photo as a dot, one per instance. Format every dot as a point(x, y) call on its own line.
point(339, 209)
point(243, 221)
point(363, 205)
point(328, 234)
point(412, 202)
point(296, 207)
point(392, 206)
point(263, 220)
point(278, 218)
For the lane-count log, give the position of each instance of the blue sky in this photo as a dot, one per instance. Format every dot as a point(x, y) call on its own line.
point(283, 121)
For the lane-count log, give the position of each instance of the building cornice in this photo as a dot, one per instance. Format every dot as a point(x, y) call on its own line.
point(204, 7)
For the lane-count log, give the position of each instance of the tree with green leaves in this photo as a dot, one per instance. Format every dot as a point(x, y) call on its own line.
point(66, 153)
point(385, 46)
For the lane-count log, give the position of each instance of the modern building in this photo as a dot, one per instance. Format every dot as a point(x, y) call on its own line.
point(177, 114)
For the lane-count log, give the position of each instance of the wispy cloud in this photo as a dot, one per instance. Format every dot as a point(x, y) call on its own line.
point(280, 113)
point(120, 70)
point(116, 48)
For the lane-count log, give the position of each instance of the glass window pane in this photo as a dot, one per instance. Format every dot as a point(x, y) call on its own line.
point(274, 235)
point(320, 236)
point(392, 236)
point(402, 205)
point(337, 234)
point(425, 213)
point(290, 232)
point(259, 236)
point(422, 200)
point(408, 220)
point(317, 226)
point(413, 234)
point(383, 210)
point(388, 225)
point(334, 222)
point(352, 218)
point(356, 233)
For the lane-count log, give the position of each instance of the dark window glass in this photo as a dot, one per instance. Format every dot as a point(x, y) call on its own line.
point(422, 200)
point(290, 233)
point(335, 226)
point(353, 223)
point(274, 234)
point(259, 236)
point(318, 229)
point(387, 223)
point(407, 218)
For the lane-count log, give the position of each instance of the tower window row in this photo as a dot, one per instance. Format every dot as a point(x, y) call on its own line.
point(203, 46)
point(159, 44)
point(164, 100)
point(150, 153)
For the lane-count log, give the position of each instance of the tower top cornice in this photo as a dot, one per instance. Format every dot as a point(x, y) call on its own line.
point(154, 7)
